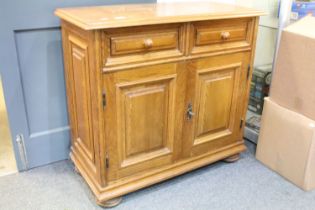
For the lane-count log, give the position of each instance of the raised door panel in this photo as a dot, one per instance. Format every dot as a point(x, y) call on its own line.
point(82, 129)
point(144, 105)
point(216, 91)
point(215, 96)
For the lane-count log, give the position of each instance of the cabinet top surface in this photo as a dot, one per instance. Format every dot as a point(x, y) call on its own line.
point(102, 17)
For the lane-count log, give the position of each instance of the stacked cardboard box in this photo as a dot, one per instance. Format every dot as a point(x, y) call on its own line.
point(287, 137)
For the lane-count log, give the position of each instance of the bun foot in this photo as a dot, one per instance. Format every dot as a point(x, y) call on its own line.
point(232, 158)
point(110, 203)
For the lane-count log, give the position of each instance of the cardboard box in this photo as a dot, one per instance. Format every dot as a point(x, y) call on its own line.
point(293, 81)
point(301, 9)
point(286, 144)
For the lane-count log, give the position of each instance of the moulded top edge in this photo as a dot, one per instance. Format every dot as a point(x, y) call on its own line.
point(102, 17)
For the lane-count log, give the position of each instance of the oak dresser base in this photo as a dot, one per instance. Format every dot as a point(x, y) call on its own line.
point(152, 98)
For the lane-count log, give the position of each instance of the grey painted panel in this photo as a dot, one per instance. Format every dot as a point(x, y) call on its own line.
point(32, 76)
point(42, 76)
point(49, 147)
point(12, 88)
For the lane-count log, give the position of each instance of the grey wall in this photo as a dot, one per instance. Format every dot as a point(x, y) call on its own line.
point(31, 66)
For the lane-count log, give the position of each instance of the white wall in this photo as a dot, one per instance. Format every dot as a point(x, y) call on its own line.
point(267, 31)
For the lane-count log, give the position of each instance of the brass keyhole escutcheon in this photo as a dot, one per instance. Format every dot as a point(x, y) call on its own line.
point(190, 112)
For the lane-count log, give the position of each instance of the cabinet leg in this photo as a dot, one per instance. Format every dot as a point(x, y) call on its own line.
point(110, 203)
point(232, 158)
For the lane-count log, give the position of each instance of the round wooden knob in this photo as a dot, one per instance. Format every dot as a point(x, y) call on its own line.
point(148, 43)
point(225, 35)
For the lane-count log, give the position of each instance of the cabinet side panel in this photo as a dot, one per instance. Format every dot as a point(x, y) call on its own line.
point(68, 79)
point(79, 61)
point(78, 67)
point(81, 96)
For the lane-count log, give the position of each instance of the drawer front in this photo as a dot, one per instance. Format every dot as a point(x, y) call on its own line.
point(132, 46)
point(218, 35)
point(206, 36)
point(144, 43)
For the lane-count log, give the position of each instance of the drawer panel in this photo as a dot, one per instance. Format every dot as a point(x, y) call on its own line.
point(144, 43)
point(133, 46)
point(221, 35)
point(216, 35)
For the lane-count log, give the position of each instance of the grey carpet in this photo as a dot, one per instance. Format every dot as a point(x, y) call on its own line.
point(246, 184)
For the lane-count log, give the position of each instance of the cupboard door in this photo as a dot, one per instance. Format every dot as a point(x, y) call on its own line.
point(143, 104)
point(215, 94)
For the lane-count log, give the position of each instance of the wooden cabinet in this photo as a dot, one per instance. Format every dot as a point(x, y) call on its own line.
point(155, 90)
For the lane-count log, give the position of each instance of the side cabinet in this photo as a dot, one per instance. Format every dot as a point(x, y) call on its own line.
point(155, 90)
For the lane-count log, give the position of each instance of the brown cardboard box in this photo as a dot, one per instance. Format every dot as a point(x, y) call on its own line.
point(286, 144)
point(293, 82)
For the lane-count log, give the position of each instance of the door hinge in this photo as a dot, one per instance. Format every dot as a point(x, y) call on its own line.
point(106, 161)
point(248, 71)
point(22, 151)
point(104, 99)
point(241, 123)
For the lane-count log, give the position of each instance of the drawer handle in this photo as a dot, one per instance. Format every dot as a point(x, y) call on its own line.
point(148, 43)
point(225, 35)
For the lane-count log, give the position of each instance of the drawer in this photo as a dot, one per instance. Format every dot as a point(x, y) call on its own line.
point(216, 35)
point(131, 46)
point(144, 43)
